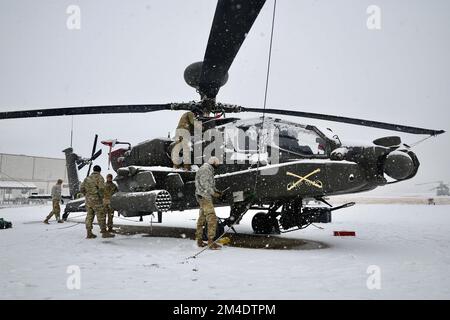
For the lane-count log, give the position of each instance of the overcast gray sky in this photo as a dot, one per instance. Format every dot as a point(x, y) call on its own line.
point(325, 60)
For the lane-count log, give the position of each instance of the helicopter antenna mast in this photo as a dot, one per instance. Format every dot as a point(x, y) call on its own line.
point(266, 88)
point(269, 60)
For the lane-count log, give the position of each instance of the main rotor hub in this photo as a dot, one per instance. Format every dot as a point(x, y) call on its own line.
point(207, 106)
point(193, 73)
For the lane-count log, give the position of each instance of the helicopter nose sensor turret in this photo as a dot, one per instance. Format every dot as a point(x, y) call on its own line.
point(399, 165)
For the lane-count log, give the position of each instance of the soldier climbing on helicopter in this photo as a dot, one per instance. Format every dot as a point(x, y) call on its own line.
point(181, 148)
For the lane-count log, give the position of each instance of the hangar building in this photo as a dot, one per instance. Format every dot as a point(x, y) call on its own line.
point(21, 175)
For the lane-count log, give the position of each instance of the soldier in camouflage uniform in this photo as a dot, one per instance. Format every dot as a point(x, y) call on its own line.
point(93, 188)
point(205, 190)
point(187, 123)
point(110, 189)
point(56, 199)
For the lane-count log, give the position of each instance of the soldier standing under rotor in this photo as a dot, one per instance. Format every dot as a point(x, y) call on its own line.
point(56, 199)
point(93, 188)
point(205, 191)
point(188, 122)
point(110, 189)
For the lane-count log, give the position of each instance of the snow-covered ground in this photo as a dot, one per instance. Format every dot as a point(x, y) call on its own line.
point(405, 248)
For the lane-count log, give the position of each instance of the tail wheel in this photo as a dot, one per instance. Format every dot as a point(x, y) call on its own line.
point(262, 223)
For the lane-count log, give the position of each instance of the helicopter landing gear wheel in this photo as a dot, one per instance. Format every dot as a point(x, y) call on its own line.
point(220, 229)
point(263, 223)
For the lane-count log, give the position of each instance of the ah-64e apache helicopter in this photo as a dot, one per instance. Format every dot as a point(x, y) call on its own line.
point(312, 163)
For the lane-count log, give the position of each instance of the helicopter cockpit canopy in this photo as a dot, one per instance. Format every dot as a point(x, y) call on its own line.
point(295, 139)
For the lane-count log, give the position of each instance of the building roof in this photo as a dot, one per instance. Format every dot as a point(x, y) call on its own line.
point(16, 185)
point(28, 156)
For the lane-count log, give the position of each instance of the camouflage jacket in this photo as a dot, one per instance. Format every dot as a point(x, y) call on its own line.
point(93, 188)
point(205, 185)
point(56, 192)
point(110, 189)
point(187, 121)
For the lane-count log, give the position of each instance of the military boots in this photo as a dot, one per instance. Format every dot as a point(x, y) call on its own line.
point(200, 243)
point(213, 246)
point(90, 235)
point(106, 234)
point(111, 230)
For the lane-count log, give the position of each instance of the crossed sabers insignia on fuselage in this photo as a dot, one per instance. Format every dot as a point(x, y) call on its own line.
point(292, 185)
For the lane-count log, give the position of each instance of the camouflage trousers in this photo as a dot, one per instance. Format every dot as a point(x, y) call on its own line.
point(207, 216)
point(95, 209)
point(109, 213)
point(56, 210)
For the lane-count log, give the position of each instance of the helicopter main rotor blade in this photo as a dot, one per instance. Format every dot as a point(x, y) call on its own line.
point(231, 24)
point(360, 122)
point(72, 111)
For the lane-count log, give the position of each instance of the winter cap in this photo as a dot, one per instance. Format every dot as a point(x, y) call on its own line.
point(97, 168)
point(214, 161)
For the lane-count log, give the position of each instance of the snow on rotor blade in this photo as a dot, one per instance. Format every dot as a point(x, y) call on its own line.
point(355, 121)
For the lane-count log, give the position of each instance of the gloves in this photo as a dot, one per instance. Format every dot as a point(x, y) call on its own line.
point(220, 195)
point(62, 201)
point(223, 196)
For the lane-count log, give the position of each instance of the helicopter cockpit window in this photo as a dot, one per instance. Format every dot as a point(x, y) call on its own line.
point(294, 138)
point(245, 139)
point(289, 143)
point(301, 140)
point(241, 143)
